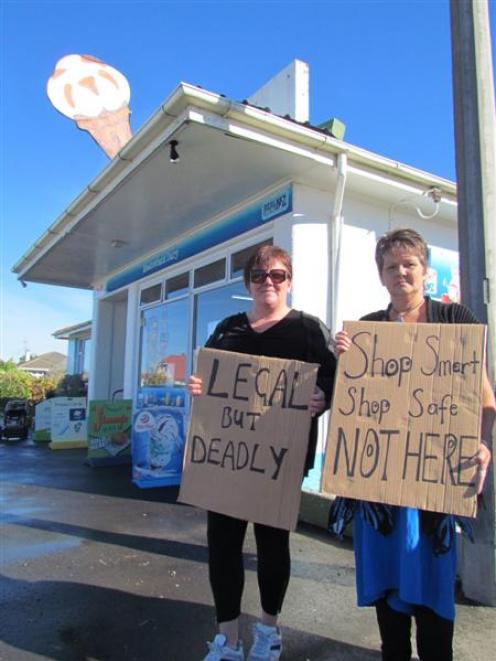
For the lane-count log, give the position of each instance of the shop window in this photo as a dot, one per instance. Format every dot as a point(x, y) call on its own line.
point(151, 294)
point(210, 273)
point(177, 286)
point(239, 259)
point(214, 305)
point(164, 345)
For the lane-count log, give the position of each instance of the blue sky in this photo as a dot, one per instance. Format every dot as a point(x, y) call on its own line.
point(382, 67)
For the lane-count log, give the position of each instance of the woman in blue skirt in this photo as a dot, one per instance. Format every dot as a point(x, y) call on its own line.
point(405, 557)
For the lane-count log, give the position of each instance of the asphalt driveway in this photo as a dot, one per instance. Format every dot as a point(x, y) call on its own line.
point(93, 568)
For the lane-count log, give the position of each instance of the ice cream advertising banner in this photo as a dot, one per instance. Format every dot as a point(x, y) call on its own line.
point(158, 443)
point(406, 416)
point(109, 432)
point(248, 436)
point(68, 424)
point(443, 275)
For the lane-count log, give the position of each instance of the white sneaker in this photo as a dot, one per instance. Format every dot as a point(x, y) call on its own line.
point(220, 651)
point(267, 645)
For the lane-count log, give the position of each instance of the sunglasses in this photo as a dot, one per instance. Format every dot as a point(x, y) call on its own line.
point(259, 276)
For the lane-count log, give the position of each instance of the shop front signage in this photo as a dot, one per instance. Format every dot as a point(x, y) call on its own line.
point(251, 217)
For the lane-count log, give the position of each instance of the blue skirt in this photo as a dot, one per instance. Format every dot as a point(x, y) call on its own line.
point(402, 567)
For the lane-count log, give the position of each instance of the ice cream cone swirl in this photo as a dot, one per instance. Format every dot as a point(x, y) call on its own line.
point(96, 96)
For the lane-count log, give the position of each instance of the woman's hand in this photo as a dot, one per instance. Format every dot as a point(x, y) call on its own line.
point(482, 458)
point(483, 455)
point(342, 342)
point(317, 402)
point(195, 385)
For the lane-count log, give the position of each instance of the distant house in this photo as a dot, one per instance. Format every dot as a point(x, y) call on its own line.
point(78, 338)
point(176, 367)
point(47, 363)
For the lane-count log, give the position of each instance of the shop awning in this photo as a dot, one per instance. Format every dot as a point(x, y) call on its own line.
point(228, 152)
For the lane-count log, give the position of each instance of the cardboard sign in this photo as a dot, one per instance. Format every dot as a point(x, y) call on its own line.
point(406, 416)
point(248, 437)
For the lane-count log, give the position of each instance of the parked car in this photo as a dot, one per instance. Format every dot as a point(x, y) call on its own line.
point(17, 418)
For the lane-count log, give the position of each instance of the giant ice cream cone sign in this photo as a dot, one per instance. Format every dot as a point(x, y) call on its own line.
point(96, 96)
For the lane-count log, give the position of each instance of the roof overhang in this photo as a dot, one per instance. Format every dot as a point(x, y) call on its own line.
point(228, 153)
point(75, 332)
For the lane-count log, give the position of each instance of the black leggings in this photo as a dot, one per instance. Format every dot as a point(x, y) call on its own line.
point(225, 537)
point(434, 634)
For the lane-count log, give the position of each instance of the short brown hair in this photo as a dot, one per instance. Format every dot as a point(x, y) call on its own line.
point(262, 257)
point(401, 238)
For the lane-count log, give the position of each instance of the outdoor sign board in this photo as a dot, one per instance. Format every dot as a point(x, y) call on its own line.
point(247, 437)
point(68, 424)
point(406, 416)
point(443, 275)
point(109, 432)
point(158, 436)
point(43, 421)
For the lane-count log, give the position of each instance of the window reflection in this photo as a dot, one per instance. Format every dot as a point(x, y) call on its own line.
point(177, 286)
point(210, 273)
point(239, 259)
point(164, 344)
point(213, 306)
point(151, 294)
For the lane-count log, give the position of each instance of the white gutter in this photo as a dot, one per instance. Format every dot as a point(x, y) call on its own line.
point(169, 111)
point(312, 137)
point(334, 239)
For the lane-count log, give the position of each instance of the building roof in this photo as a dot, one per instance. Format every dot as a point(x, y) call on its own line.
point(77, 331)
point(50, 362)
point(229, 152)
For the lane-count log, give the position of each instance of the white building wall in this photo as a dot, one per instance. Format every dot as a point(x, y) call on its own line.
point(101, 335)
point(360, 290)
point(287, 92)
point(304, 234)
point(108, 336)
point(118, 348)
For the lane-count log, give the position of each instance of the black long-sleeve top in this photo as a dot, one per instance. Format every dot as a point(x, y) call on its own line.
point(296, 336)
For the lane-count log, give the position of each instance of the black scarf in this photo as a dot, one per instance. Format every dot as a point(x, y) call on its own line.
point(439, 527)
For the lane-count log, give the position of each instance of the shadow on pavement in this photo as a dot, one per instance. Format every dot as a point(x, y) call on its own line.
point(70, 621)
point(171, 548)
point(313, 571)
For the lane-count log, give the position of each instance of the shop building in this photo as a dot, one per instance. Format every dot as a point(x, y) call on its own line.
point(161, 235)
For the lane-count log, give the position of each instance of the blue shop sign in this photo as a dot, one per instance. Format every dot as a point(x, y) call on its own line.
point(249, 218)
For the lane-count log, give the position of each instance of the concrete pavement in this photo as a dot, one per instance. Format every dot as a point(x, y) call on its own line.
point(95, 569)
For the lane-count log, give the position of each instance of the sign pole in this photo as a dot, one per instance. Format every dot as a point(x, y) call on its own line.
point(475, 141)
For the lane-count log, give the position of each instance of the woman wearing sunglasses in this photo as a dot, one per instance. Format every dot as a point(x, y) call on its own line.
point(271, 328)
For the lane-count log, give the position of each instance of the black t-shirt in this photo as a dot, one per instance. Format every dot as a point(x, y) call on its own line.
point(296, 336)
point(437, 313)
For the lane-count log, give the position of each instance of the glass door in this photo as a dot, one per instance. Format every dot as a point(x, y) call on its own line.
point(159, 422)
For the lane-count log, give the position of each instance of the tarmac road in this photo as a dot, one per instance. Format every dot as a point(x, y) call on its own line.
point(95, 569)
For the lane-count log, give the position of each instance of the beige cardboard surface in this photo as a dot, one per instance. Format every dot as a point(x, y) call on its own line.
point(406, 416)
point(248, 436)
